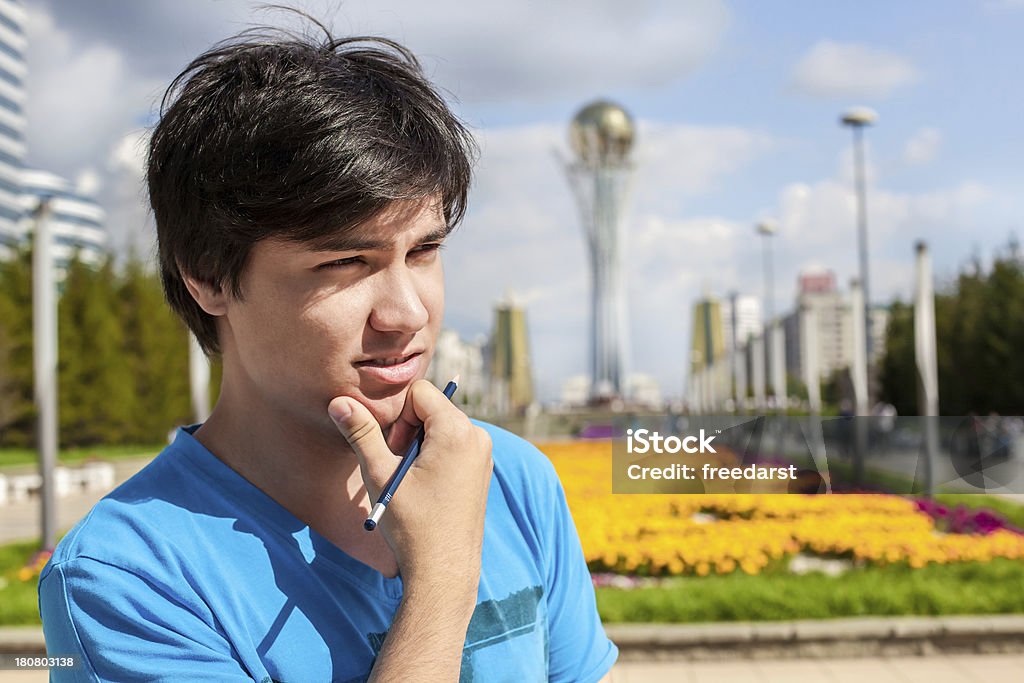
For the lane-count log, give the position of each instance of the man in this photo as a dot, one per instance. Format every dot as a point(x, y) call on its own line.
point(302, 192)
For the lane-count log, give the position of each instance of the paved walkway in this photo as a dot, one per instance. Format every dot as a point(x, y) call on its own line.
point(933, 669)
point(22, 521)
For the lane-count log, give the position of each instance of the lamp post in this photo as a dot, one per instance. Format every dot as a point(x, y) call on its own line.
point(44, 361)
point(767, 229)
point(773, 337)
point(857, 119)
point(734, 357)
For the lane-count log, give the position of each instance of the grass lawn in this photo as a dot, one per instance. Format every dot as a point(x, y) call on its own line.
point(28, 456)
point(18, 602)
point(962, 588)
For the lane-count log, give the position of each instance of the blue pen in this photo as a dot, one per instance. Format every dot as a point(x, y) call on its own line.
point(414, 449)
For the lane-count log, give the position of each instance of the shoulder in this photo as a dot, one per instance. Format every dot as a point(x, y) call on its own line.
point(516, 459)
point(134, 525)
point(524, 478)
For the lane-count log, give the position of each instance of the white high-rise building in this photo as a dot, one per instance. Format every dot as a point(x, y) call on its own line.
point(644, 390)
point(817, 290)
point(879, 327)
point(748, 319)
point(12, 120)
point(77, 220)
point(453, 356)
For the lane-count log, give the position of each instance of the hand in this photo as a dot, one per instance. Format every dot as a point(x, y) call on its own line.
point(434, 524)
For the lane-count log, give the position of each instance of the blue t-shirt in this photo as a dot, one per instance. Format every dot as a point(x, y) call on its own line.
point(189, 572)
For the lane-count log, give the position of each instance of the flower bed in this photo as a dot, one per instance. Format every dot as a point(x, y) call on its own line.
point(669, 534)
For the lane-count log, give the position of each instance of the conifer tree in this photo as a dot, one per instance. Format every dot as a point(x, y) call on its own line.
point(156, 351)
point(96, 391)
point(17, 408)
point(979, 324)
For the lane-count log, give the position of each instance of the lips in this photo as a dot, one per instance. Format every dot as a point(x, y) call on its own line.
point(387, 361)
point(398, 369)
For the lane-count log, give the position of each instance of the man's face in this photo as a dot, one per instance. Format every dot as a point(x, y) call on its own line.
point(357, 318)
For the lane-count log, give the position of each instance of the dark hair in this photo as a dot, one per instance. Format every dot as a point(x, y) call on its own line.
point(275, 134)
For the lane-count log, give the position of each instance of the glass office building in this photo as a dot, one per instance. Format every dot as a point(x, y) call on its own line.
point(12, 121)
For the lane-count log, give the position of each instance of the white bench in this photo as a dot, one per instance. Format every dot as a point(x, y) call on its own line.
point(92, 476)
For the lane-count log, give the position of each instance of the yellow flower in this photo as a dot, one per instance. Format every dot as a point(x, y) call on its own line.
point(681, 534)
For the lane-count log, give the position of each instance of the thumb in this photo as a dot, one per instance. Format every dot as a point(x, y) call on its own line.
point(376, 461)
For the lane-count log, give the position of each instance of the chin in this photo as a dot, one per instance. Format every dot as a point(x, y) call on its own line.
point(386, 410)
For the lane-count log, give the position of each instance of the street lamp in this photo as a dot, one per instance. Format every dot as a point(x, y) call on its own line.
point(857, 119)
point(44, 362)
point(767, 229)
point(773, 337)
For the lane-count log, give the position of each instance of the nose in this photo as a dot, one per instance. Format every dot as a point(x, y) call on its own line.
point(399, 305)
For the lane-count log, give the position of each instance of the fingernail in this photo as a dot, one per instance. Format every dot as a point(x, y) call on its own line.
point(339, 410)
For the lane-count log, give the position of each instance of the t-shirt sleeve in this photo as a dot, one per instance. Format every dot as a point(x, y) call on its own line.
point(579, 650)
point(120, 627)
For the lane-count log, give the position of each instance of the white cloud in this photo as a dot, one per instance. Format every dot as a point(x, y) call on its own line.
point(499, 51)
point(491, 50)
point(80, 97)
point(818, 227)
point(523, 234)
point(88, 181)
point(129, 153)
point(693, 159)
point(923, 147)
point(846, 165)
point(128, 217)
point(833, 69)
point(97, 72)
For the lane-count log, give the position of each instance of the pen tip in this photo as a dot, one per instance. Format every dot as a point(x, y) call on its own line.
point(455, 379)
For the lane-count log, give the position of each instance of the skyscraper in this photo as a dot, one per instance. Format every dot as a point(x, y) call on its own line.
point(511, 373)
point(602, 135)
point(747, 317)
point(453, 356)
point(12, 121)
point(817, 290)
point(77, 220)
point(709, 379)
point(708, 345)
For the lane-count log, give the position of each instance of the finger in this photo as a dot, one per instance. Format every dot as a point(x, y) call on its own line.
point(422, 400)
point(361, 430)
point(404, 429)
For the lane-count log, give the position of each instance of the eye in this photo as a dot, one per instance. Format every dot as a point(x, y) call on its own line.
point(342, 262)
point(427, 249)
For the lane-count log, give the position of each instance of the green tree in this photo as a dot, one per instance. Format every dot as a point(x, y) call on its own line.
point(95, 384)
point(897, 369)
point(17, 409)
point(156, 352)
point(979, 326)
point(1003, 330)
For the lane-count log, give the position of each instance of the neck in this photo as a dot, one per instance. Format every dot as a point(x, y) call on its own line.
point(302, 462)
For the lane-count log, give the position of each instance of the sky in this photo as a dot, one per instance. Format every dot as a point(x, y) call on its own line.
point(737, 105)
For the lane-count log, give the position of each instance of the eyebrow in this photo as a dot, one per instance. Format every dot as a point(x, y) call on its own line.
point(349, 242)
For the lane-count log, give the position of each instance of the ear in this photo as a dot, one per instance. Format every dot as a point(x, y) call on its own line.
point(211, 298)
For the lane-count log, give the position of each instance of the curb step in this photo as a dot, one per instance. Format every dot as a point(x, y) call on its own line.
point(810, 639)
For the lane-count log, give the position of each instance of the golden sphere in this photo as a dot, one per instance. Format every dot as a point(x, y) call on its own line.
point(602, 131)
